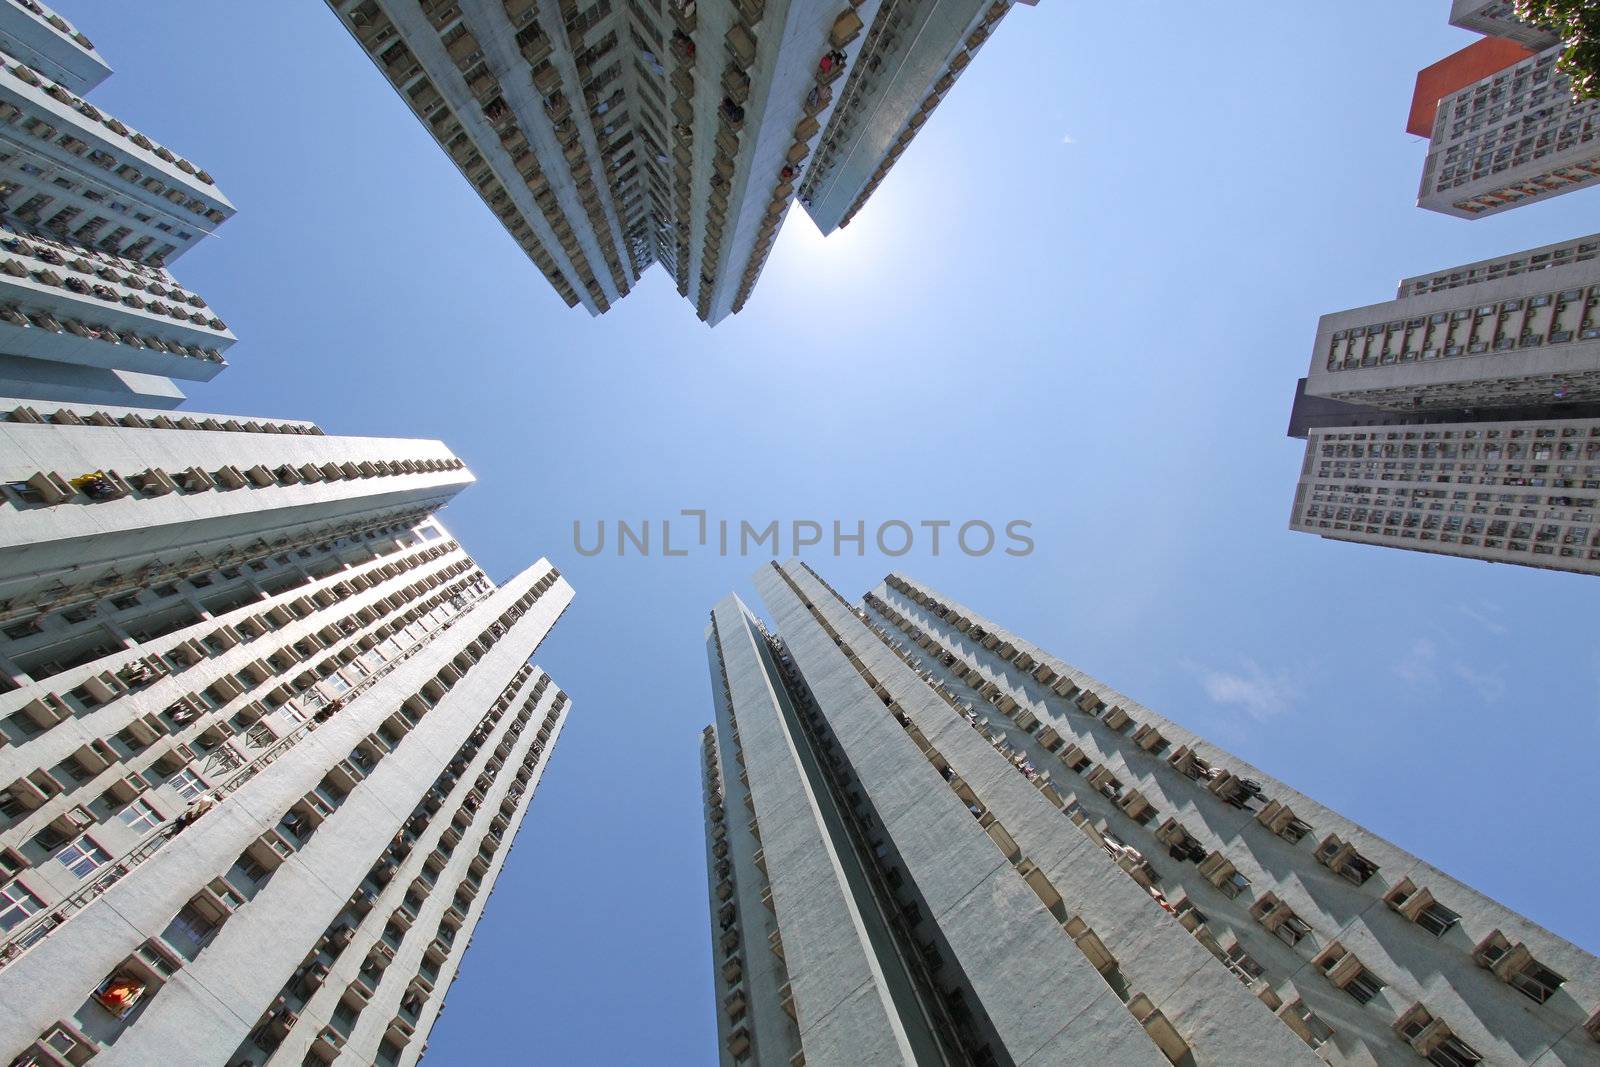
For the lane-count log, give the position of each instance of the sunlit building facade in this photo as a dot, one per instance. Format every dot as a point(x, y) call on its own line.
point(1502, 125)
point(266, 734)
point(92, 213)
point(608, 136)
point(1463, 417)
point(929, 842)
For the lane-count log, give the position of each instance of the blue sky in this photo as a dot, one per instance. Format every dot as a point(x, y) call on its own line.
point(1082, 299)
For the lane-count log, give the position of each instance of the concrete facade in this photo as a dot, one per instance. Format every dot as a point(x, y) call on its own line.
point(1038, 835)
point(91, 214)
point(1519, 491)
point(1523, 329)
point(1497, 18)
point(1514, 136)
point(610, 136)
point(261, 748)
point(41, 38)
point(1463, 417)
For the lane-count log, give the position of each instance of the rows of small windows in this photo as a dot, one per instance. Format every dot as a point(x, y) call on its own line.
point(280, 1018)
point(1515, 147)
point(885, 33)
point(547, 80)
point(302, 819)
point(40, 318)
point(1526, 187)
point(847, 26)
point(57, 23)
point(592, 76)
point(125, 993)
point(1365, 499)
point(1076, 928)
point(1533, 101)
point(27, 74)
point(958, 63)
point(375, 31)
point(731, 944)
point(328, 546)
point(1214, 866)
point(1537, 539)
point(148, 615)
point(52, 186)
point(192, 722)
point(1498, 327)
point(1536, 475)
point(201, 749)
point(639, 203)
point(947, 997)
point(1481, 390)
point(138, 420)
point(1504, 94)
point(1498, 18)
point(684, 51)
point(105, 265)
point(465, 52)
point(739, 51)
point(1564, 444)
point(1578, 252)
point(85, 279)
point(40, 195)
point(1541, 524)
point(617, 131)
point(1513, 964)
point(50, 488)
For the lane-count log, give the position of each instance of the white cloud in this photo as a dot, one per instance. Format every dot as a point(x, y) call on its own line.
point(1490, 687)
point(1424, 668)
point(1484, 618)
point(1420, 665)
point(1260, 694)
point(1068, 139)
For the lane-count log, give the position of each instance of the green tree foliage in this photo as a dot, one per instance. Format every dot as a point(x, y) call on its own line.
point(1578, 23)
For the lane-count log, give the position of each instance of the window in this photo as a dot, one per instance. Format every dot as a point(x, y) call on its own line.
point(1536, 982)
point(188, 784)
point(16, 904)
point(1313, 1030)
point(1437, 919)
point(1242, 964)
point(190, 928)
point(1364, 986)
point(1453, 1052)
point(140, 816)
point(252, 868)
point(83, 856)
point(1515, 965)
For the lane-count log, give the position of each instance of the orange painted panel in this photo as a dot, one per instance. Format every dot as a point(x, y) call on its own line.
point(1478, 60)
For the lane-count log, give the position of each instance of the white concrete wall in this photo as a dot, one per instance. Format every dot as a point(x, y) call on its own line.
point(212, 1003)
point(1502, 1024)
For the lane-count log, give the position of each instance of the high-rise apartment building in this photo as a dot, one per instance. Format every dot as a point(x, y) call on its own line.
point(932, 842)
point(92, 213)
point(1498, 18)
point(608, 136)
point(1502, 125)
point(52, 46)
point(1463, 417)
point(266, 734)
